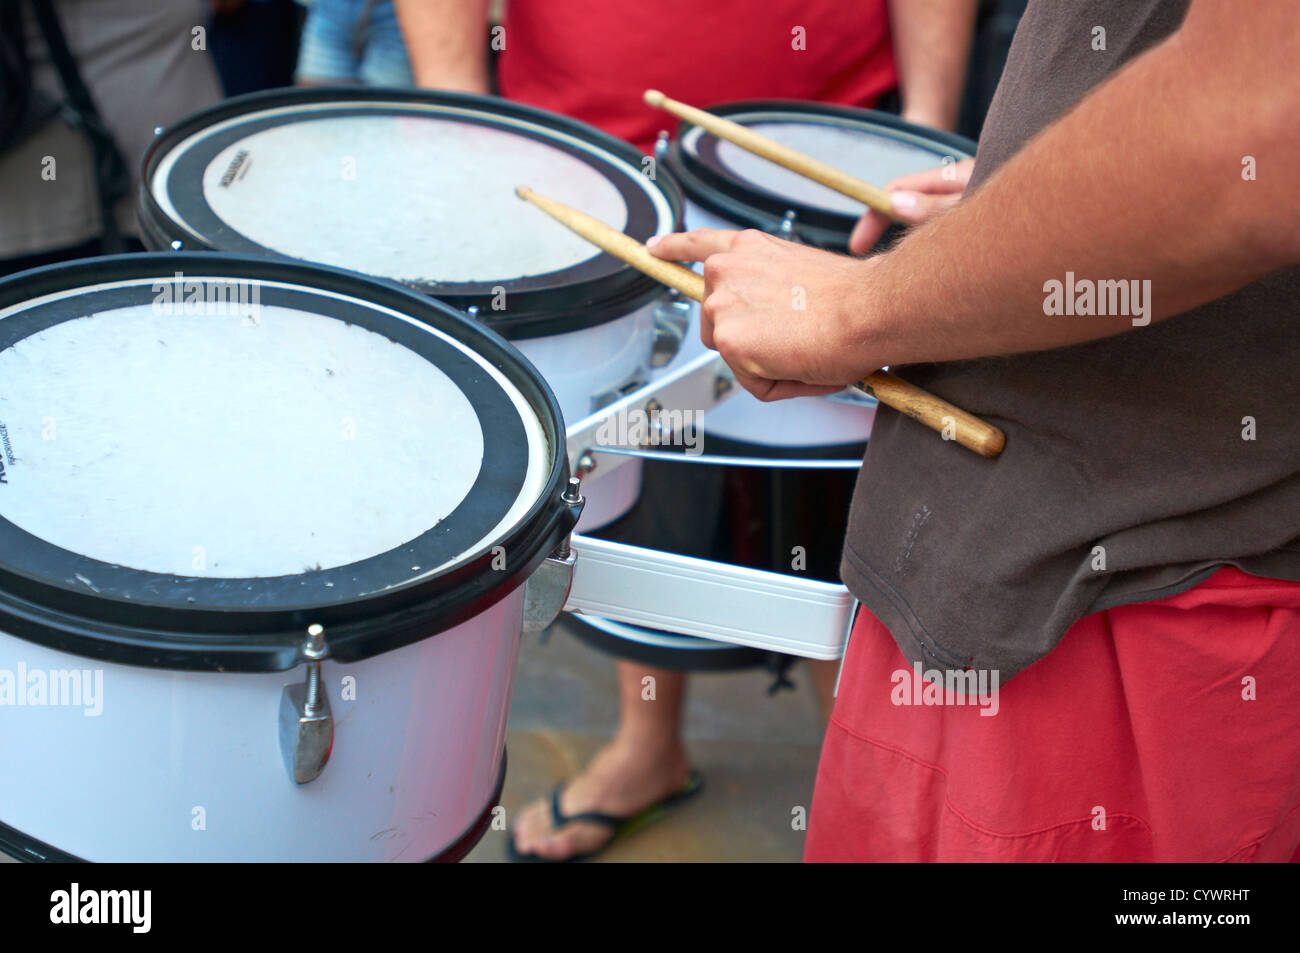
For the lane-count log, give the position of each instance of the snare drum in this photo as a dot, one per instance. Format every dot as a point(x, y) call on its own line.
point(776, 517)
point(418, 187)
point(205, 457)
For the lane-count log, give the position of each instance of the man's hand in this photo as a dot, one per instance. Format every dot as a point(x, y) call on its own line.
point(915, 198)
point(787, 319)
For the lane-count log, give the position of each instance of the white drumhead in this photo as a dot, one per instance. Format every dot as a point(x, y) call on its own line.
point(420, 197)
point(267, 441)
point(876, 158)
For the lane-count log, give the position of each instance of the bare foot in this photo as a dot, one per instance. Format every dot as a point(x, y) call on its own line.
point(620, 781)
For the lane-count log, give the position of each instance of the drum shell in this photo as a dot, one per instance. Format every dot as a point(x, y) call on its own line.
point(584, 368)
point(186, 766)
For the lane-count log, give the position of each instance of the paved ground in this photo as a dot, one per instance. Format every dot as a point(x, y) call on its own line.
point(758, 754)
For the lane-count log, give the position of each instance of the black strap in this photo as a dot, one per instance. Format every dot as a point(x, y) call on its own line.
point(112, 178)
point(560, 819)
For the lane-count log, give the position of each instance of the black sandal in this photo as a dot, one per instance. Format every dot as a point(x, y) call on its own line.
point(619, 826)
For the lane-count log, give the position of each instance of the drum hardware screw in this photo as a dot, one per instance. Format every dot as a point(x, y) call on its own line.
point(157, 130)
point(721, 386)
point(472, 311)
point(661, 144)
point(786, 228)
point(314, 650)
point(586, 464)
point(652, 410)
point(572, 495)
point(177, 245)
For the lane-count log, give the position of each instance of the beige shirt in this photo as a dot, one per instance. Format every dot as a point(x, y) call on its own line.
point(138, 59)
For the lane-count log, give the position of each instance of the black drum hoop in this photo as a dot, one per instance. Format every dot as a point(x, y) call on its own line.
point(758, 208)
point(573, 300)
point(689, 655)
point(137, 631)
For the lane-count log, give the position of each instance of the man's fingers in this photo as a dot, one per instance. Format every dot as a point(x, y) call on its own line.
point(949, 177)
point(913, 208)
point(867, 232)
point(783, 390)
point(769, 390)
point(910, 208)
point(695, 245)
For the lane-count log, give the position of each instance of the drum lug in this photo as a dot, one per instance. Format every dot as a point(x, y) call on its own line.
point(672, 318)
point(306, 725)
point(547, 589)
point(788, 227)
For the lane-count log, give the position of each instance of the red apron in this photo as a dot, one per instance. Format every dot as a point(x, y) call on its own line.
point(1159, 731)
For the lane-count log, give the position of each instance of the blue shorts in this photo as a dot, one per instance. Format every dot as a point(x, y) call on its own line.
point(353, 41)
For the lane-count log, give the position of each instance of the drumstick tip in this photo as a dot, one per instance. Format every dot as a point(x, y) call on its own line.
point(523, 191)
point(654, 98)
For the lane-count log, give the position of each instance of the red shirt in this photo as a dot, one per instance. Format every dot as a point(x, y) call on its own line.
point(592, 59)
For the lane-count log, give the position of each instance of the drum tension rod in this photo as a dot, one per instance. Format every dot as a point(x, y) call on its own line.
point(306, 725)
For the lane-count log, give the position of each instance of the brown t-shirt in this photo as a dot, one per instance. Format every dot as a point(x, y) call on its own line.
point(1134, 467)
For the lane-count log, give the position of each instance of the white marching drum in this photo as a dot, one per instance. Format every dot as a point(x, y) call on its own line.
point(264, 534)
point(418, 187)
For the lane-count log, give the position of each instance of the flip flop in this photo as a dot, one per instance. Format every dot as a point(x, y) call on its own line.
point(620, 826)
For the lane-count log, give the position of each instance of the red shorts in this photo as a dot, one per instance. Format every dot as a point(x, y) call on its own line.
point(1160, 731)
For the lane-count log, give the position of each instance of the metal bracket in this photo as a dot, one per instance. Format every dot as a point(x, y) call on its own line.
point(547, 589)
point(306, 725)
point(672, 318)
point(698, 385)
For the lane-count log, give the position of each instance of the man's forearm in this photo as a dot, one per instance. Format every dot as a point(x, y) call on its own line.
point(931, 46)
point(446, 42)
point(1143, 180)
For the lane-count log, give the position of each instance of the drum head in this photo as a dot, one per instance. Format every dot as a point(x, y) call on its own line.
point(738, 185)
point(417, 187)
point(222, 450)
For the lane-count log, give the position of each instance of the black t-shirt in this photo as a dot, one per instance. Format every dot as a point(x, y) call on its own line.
point(1135, 466)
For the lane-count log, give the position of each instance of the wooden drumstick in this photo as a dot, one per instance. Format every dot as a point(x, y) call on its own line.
point(935, 413)
point(870, 195)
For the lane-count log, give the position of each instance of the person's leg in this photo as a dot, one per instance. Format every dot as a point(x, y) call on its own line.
point(325, 53)
point(643, 763)
point(823, 675)
point(384, 61)
point(1167, 730)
